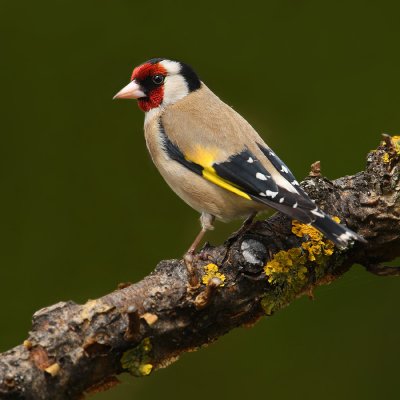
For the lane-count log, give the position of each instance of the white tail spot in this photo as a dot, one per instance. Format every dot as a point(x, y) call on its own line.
point(317, 213)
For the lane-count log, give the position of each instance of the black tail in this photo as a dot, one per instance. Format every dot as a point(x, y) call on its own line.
point(339, 234)
point(308, 213)
point(293, 201)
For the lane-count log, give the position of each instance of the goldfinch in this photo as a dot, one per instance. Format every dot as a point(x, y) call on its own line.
point(212, 157)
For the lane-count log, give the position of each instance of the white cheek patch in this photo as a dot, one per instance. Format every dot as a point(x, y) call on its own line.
point(172, 67)
point(175, 88)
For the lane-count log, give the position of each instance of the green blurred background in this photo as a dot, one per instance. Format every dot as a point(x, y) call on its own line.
point(83, 208)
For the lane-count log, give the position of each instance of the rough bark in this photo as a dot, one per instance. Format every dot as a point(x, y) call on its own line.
point(75, 349)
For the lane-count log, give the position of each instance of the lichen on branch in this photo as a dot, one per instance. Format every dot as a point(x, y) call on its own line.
point(75, 349)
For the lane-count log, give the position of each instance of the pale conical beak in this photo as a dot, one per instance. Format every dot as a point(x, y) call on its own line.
point(131, 91)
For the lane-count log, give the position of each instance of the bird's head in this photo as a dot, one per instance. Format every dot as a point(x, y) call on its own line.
point(159, 82)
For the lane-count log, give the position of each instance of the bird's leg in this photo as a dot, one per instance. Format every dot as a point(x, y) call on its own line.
point(188, 258)
point(206, 221)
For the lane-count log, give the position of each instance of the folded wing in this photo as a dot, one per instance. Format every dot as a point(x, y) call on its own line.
point(245, 175)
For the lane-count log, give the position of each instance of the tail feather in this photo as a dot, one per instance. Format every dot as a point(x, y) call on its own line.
point(308, 213)
point(337, 233)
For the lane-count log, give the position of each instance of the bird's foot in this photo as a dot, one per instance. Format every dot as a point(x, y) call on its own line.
point(205, 255)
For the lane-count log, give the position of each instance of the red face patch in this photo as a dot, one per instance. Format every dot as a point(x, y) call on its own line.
point(143, 74)
point(145, 70)
point(153, 99)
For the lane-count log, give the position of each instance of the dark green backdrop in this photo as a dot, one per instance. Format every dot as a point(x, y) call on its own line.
point(83, 208)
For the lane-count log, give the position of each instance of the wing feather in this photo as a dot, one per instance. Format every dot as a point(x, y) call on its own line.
point(253, 172)
point(242, 174)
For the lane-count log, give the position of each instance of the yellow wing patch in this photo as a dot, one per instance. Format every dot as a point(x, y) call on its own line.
point(211, 175)
point(206, 158)
point(202, 156)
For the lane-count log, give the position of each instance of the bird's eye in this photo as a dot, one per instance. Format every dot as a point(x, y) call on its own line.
point(158, 79)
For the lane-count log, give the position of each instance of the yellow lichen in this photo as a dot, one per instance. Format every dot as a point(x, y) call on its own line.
point(283, 262)
point(301, 273)
point(301, 230)
point(385, 158)
point(288, 274)
point(396, 147)
point(136, 360)
point(315, 245)
point(211, 271)
point(146, 345)
point(145, 369)
point(287, 271)
point(396, 142)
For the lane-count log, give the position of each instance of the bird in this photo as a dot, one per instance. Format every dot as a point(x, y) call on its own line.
point(212, 158)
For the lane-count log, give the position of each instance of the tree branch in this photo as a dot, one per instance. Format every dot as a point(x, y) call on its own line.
point(75, 349)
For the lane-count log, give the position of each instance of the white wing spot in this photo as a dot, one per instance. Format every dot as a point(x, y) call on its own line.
point(261, 176)
point(295, 205)
point(345, 236)
point(262, 194)
point(317, 213)
point(281, 200)
point(250, 160)
point(270, 193)
point(284, 169)
point(295, 183)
